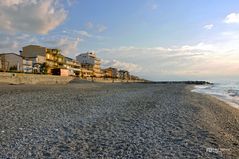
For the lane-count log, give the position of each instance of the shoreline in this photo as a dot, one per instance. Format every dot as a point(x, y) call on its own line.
point(227, 101)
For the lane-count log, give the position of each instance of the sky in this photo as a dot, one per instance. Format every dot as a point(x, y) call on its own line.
point(154, 39)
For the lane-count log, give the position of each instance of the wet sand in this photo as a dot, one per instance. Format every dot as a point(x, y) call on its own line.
point(115, 121)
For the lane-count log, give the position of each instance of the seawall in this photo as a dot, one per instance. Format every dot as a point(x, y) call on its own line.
point(20, 78)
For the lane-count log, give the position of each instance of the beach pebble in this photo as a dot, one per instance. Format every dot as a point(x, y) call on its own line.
point(110, 121)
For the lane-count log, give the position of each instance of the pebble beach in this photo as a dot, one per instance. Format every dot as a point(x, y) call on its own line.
point(95, 120)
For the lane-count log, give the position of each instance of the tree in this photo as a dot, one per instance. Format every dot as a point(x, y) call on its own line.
point(43, 68)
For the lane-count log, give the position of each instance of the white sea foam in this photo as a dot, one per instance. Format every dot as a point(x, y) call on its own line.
point(227, 92)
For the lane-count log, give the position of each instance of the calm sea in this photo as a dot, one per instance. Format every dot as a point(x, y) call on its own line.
point(226, 91)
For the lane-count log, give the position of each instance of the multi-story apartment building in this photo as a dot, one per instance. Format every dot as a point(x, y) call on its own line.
point(36, 63)
point(11, 62)
point(91, 62)
point(86, 73)
point(73, 66)
point(110, 72)
point(51, 59)
point(27, 66)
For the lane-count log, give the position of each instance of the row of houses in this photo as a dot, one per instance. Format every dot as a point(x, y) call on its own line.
point(38, 59)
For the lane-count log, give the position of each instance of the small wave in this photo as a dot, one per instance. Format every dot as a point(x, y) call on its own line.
point(233, 93)
point(227, 92)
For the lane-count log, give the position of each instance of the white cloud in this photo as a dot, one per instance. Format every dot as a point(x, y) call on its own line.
point(31, 16)
point(71, 2)
point(200, 61)
point(232, 18)
point(67, 40)
point(76, 33)
point(97, 27)
point(84, 33)
point(68, 45)
point(208, 27)
point(101, 28)
point(89, 25)
point(14, 42)
point(133, 68)
point(231, 35)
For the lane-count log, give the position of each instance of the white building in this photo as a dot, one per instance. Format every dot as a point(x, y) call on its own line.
point(88, 58)
point(91, 62)
point(11, 62)
point(32, 64)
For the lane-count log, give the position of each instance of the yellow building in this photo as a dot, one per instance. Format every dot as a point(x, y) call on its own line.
point(73, 66)
point(53, 57)
point(110, 72)
point(86, 73)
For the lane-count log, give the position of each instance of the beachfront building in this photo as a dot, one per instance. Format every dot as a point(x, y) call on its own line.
point(27, 66)
point(50, 61)
point(11, 62)
point(86, 73)
point(37, 63)
point(73, 66)
point(90, 62)
point(110, 72)
point(124, 75)
point(60, 72)
point(53, 57)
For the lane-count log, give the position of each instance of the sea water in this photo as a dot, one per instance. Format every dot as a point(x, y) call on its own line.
point(225, 91)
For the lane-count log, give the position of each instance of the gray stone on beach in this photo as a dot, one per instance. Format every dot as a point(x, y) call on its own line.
point(90, 120)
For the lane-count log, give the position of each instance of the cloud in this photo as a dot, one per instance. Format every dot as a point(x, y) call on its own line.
point(68, 45)
point(89, 25)
point(187, 62)
point(14, 42)
point(231, 35)
point(67, 40)
point(71, 2)
point(75, 33)
point(84, 33)
point(31, 16)
point(232, 18)
point(101, 28)
point(208, 27)
point(121, 65)
point(97, 27)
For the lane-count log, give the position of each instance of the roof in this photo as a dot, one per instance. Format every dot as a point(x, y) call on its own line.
point(68, 58)
point(33, 45)
point(10, 53)
point(91, 54)
point(41, 47)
